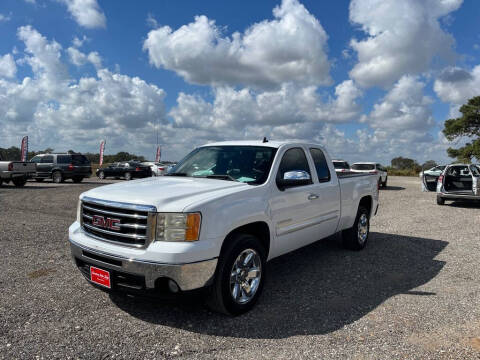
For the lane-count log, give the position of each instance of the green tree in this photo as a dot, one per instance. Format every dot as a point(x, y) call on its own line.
point(429, 164)
point(402, 163)
point(468, 125)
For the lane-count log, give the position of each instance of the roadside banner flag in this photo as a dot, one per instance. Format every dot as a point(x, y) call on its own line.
point(102, 149)
point(24, 149)
point(159, 154)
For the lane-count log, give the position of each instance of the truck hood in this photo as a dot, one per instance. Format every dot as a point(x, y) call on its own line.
point(166, 193)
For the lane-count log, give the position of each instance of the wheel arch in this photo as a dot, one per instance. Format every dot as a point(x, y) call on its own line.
point(367, 202)
point(259, 229)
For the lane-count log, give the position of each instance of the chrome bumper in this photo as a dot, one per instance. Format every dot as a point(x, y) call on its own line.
point(187, 276)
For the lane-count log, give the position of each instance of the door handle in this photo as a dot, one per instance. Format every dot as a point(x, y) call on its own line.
point(312, 197)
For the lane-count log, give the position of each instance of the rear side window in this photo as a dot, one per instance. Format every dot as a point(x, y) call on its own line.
point(80, 160)
point(47, 159)
point(341, 165)
point(63, 159)
point(293, 160)
point(321, 165)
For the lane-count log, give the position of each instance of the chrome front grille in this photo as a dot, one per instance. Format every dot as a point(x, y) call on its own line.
point(120, 223)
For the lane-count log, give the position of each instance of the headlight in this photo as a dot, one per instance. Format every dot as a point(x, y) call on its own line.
point(178, 226)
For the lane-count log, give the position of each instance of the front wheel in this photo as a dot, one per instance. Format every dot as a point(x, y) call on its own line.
point(57, 177)
point(128, 176)
point(239, 277)
point(356, 237)
point(440, 200)
point(19, 182)
point(101, 175)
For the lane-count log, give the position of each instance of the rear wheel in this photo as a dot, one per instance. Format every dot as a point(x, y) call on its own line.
point(356, 237)
point(128, 176)
point(440, 200)
point(57, 177)
point(19, 182)
point(384, 184)
point(77, 179)
point(101, 175)
point(1, 182)
point(239, 276)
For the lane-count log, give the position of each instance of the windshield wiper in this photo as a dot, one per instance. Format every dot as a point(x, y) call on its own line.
point(176, 174)
point(221, 177)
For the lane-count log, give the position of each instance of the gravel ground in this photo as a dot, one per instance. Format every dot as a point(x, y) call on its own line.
point(412, 293)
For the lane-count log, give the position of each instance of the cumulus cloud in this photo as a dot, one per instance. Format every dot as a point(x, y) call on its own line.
point(289, 48)
point(87, 13)
point(60, 112)
point(455, 85)
point(403, 37)
point(78, 58)
point(8, 68)
point(5, 18)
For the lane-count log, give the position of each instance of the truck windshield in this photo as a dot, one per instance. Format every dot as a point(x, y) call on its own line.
point(363, 167)
point(248, 164)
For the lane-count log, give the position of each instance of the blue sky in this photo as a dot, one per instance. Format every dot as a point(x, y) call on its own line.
point(369, 79)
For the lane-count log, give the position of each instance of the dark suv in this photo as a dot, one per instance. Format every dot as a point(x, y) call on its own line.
point(60, 167)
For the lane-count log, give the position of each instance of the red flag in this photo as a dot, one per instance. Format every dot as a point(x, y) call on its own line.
point(159, 154)
point(102, 149)
point(24, 149)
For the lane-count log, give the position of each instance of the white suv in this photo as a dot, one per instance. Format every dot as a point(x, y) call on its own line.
point(373, 168)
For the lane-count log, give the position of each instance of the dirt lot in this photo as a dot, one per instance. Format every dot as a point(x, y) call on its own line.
point(412, 293)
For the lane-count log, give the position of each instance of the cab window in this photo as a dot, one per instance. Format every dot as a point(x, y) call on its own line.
point(47, 159)
point(321, 165)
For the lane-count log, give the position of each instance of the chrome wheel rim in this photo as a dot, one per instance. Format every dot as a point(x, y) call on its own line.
point(101, 175)
point(362, 228)
point(245, 276)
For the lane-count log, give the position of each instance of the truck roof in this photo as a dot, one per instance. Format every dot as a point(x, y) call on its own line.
point(270, 143)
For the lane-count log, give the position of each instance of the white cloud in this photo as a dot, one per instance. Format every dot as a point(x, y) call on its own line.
point(403, 37)
point(60, 112)
point(8, 68)
point(455, 85)
point(151, 21)
point(87, 13)
point(5, 17)
point(78, 58)
point(290, 48)
point(77, 42)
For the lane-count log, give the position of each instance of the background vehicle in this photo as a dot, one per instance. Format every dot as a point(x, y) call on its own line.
point(216, 219)
point(17, 172)
point(158, 169)
point(128, 170)
point(341, 166)
point(372, 168)
point(60, 167)
point(458, 182)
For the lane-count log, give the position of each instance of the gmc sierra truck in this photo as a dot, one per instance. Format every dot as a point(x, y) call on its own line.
point(18, 172)
point(216, 218)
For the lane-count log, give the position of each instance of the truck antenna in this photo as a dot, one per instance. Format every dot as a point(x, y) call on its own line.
point(265, 139)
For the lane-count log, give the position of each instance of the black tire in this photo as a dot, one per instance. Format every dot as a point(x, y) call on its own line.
point(220, 297)
point(1, 182)
point(77, 179)
point(57, 177)
point(128, 176)
point(39, 179)
point(19, 182)
point(440, 200)
point(101, 175)
point(352, 238)
point(384, 184)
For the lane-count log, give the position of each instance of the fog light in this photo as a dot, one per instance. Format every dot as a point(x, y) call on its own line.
point(172, 286)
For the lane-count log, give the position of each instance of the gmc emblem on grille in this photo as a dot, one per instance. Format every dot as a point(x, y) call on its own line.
point(106, 223)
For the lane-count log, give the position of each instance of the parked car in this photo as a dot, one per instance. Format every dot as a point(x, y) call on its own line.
point(18, 172)
point(341, 166)
point(60, 167)
point(158, 169)
point(183, 231)
point(372, 168)
point(128, 170)
point(458, 182)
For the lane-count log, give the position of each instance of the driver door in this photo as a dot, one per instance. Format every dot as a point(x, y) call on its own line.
point(294, 210)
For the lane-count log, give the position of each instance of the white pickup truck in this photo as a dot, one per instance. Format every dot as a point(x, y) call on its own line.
point(216, 219)
point(18, 172)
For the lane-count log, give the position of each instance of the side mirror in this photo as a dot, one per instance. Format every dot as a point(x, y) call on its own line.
point(294, 178)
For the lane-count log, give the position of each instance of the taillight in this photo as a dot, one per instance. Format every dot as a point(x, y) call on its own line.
point(10, 167)
point(71, 167)
point(440, 179)
point(374, 172)
point(138, 169)
point(161, 168)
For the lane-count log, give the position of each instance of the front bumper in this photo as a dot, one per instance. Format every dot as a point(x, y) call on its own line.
point(148, 275)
